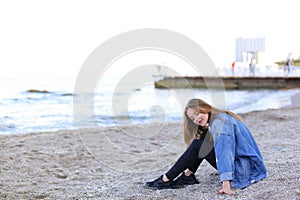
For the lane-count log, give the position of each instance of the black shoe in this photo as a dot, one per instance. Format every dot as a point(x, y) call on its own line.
point(159, 184)
point(186, 180)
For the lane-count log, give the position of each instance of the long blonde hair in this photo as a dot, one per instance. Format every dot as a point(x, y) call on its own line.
point(190, 128)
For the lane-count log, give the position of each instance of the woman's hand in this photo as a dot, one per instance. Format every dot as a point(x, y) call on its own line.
point(226, 188)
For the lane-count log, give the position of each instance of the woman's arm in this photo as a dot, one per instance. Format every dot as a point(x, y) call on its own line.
point(224, 139)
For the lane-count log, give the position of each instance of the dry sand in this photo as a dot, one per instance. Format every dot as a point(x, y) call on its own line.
point(114, 163)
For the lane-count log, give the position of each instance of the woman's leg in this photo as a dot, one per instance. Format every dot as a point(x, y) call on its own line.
point(207, 152)
point(211, 158)
point(190, 159)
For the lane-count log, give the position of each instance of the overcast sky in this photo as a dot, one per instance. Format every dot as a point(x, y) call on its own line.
point(55, 37)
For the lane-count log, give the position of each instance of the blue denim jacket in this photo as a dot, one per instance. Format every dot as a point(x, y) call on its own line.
point(238, 157)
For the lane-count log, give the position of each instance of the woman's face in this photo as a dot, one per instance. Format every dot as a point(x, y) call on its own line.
point(197, 117)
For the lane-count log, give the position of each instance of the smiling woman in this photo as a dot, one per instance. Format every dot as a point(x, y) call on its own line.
point(198, 113)
point(199, 118)
point(215, 135)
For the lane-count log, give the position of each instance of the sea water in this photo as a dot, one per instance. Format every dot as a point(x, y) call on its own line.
point(53, 106)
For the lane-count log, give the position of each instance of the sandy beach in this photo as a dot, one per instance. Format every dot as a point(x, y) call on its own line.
point(114, 163)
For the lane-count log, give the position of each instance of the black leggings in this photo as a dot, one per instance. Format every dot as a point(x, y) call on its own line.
point(191, 159)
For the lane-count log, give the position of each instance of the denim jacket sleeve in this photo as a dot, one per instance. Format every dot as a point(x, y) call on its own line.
point(223, 134)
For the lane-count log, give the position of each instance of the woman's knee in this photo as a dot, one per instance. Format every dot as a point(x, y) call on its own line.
point(196, 143)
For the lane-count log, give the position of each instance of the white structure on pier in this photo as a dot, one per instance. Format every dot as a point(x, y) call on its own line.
point(249, 48)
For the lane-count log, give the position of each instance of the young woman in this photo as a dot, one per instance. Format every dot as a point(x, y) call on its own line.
point(221, 138)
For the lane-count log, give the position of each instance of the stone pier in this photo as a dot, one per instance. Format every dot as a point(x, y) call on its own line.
point(237, 83)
